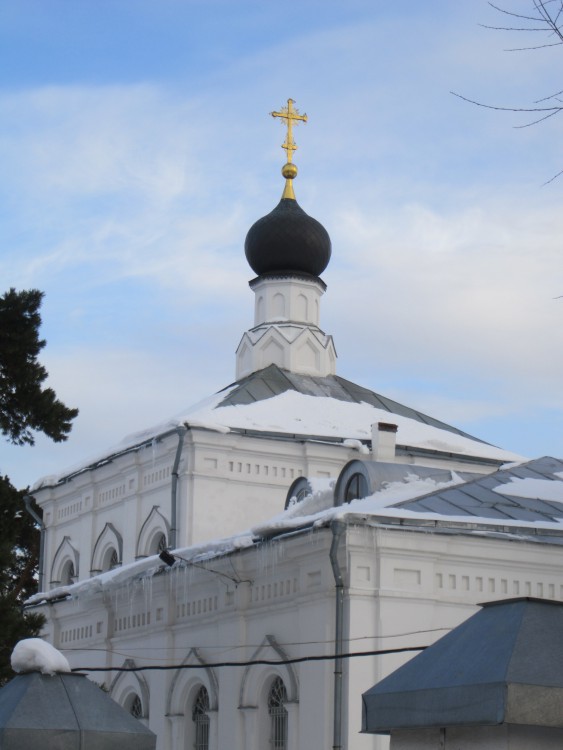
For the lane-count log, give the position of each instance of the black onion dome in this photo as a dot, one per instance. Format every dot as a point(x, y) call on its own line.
point(287, 240)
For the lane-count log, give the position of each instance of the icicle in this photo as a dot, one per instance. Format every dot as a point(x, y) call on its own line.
point(185, 582)
point(270, 553)
point(131, 592)
point(150, 593)
point(315, 537)
point(147, 591)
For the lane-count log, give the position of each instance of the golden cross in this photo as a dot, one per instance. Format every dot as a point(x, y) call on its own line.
point(289, 115)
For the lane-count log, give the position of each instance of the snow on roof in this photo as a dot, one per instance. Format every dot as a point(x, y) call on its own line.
point(139, 439)
point(312, 511)
point(297, 414)
point(532, 488)
point(530, 492)
point(145, 568)
point(36, 655)
point(307, 512)
point(413, 499)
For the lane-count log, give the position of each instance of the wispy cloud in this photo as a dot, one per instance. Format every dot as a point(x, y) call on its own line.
point(128, 203)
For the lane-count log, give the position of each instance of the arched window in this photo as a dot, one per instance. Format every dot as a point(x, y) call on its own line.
point(68, 574)
point(302, 494)
point(260, 309)
point(131, 690)
point(66, 564)
point(277, 697)
point(298, 491)
point(356, 488)
point(111, 560)
point(159, 544)
point(136, 707)
point(154, 534)
point(278, 305)
point(200, 719)
point(302, 308)
point(108, 550)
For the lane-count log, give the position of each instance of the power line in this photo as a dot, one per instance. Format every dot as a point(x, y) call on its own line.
point(252, 662)
point(257, 645)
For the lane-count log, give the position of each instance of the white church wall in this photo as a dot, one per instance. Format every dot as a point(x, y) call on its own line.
point(243, 478)
point(404, 588)
point(424, 585)
point(122, 493)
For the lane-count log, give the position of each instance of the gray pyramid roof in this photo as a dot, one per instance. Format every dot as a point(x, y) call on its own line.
point(272, 380)
point(66, 712)
point(504, 665)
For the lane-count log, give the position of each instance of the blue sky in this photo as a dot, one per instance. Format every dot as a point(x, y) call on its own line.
point(137, 150)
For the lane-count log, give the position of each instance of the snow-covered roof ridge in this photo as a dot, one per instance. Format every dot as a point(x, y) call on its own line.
point(301, 414)
point(305, 408)
point(274, 380)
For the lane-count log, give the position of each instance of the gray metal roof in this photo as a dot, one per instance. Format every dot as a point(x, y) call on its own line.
point(272, 381)
point(379, 474)
point(489, 496)
point(66, 712)
point(504, 665)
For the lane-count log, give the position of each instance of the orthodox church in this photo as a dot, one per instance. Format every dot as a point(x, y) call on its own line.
point(239, 574)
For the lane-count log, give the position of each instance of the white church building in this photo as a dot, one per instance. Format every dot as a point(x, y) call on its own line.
point(306, 525)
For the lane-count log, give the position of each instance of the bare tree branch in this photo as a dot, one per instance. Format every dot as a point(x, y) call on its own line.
point(551, 96)
point(547, 20)
point(512, 13)
point(525, 49)
point(535, 122)
point(555, 176)
point(553, 110)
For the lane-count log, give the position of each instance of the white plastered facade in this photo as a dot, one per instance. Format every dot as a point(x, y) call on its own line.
point(403, 588)
point(226, 482)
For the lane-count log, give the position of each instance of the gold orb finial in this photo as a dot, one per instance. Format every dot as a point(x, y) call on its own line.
point(289, 171)
point(289, 115)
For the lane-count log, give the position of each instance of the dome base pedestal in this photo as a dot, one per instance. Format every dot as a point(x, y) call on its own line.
point(286, 327)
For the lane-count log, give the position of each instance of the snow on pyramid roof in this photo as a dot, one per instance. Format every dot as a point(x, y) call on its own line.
point(36, 655)
point(278, 402)
point(65, 710)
